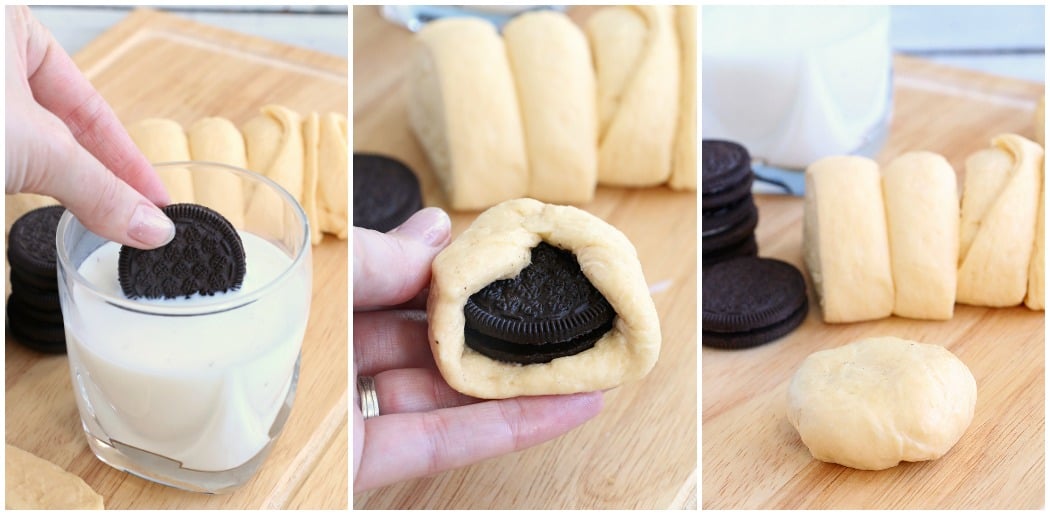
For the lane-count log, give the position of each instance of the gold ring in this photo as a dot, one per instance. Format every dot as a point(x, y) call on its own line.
point(366, 390)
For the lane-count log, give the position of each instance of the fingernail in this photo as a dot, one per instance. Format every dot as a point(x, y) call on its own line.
point(431, 226)
point(150, 227)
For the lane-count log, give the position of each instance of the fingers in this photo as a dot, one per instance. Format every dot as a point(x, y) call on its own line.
point(409, 445)
point(392, 268)
point(416, 390)
point(59, 87)
point(387, 340)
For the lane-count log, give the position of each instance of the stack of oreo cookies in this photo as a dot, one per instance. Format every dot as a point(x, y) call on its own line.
point(34, 315)
point(749, 301)
point(729, 212)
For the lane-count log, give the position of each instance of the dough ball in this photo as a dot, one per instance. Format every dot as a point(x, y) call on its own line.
point(876, 402)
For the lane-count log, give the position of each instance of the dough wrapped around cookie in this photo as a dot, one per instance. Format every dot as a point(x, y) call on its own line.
point(498, 246)
point(463, 108)
point(877, 402)
point(163, 141)
point(922, 213)
point(636, 59)
point(683, 163)
point(997, 230)
point(551, 63)
point(846, 247)
point(217, 140)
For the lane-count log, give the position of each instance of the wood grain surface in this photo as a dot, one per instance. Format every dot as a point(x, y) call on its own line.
point(154, 64)
point(754, 458)
point(641, 451)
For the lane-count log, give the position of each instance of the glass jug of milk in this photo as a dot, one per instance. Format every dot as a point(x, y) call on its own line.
point(794, 84)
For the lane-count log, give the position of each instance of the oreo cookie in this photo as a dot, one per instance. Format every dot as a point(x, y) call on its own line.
point(31, 242)
point(20, 279)
point(746, 247)
point(386, 192)
point(729, 212)
point(748, 301)
point(550, 310)
point(50, 317)
point(38, 336)
point(733, 234)
point(205, 257)
point(725, 165)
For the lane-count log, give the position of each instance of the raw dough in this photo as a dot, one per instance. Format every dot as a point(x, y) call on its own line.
point(636, 59)
point(922, 214)
point(879, 401)
point(1036, 274)
point(463, 108)
point(274, 146)
point(1040, 121)
point(551, 63)
point(311, 142)
point(846, 247)
point(217, 140)
point(497, 246)
point(997, 232)
point(163, 141)
point(332, 198)
point(683, 163)
point(34, 483)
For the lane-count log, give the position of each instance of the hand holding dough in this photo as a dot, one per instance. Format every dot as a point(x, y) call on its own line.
point(879, 401)
point(163, 141)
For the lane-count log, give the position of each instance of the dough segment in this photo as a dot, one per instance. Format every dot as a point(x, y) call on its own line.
point(845, 241)
point(217, 140)
point(463, 108)
point(637, 63)
point(683, 163)
point(1035, 296)
point(311, 169)
point(34, 483)
point(551, 65)
point(163, 141)
point(333, 169)
point(876, 402)
point(999, 203)
point(922, 213)
point(498, 246)
point(274, 147)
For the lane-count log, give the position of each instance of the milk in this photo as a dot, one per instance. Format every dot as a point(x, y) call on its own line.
point(201, 390)
point(794, 84)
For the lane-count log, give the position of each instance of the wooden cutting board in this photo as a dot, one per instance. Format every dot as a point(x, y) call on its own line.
point(641, 451)
point(155, 64)
point(754, 458)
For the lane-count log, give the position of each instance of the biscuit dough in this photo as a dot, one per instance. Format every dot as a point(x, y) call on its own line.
point(274, 146)
point(217, 140)
point(163, 141)
point(551, 63)
point(333, 164)
point(997, 230)
point(498, 246)
point(311, 144)
point(1034, 298)
point(845, 242)
point(463, 108)
point(636, 58)
point(34, 483)
point(873, 403)
point(683, 164)
point(922, 214)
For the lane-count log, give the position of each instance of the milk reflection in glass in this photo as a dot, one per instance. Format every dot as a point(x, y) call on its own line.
point(794, 84)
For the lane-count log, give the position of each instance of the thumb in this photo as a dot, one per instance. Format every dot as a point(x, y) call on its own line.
point(391, 268)
point(106, 205)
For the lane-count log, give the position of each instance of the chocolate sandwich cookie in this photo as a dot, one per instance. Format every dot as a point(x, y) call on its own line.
point(717, 221)
point(16, 304)
point(746, 247)
point(205, 257)
point(42, 337)
point(726, 174)
point(36, 282)
point(749, 301)
point(46, 300)
point(386, 192)
point(550, 310)
point(732, 235)
point(31, 242)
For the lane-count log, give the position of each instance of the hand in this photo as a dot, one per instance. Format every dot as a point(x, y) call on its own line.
point(63, 140)
point(425, 426)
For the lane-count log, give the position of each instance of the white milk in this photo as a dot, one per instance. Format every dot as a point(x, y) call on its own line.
point(201, 390)
point(794, 84)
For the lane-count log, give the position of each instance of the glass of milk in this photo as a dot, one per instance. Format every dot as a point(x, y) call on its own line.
point(794, 84)
point(193, 392)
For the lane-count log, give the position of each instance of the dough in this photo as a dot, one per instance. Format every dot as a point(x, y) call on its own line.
point(683, 163)
point(35, 483)
point(497, 246)
point(1036, 274)
point(274, 146)
point(922, 213)
point(332, 197)
point(636, 59)
point(876, 402)
point(997, 232)
point(1040, 121)
point(312, 143)
point(217, 140)
point(463, 108)
point(551, 63)
point(162, 141)
point(846, 247)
